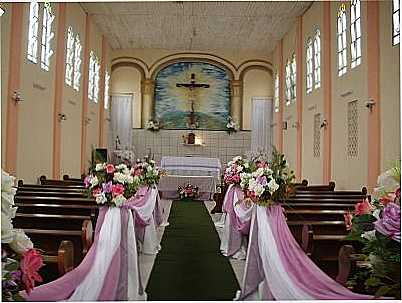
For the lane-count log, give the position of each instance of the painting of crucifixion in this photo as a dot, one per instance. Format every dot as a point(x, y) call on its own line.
point(192, 95)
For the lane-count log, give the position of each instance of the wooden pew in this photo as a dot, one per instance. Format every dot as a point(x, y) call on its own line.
point(55, 187)
point(68, 178)
point(44, 181)
point(324, 187)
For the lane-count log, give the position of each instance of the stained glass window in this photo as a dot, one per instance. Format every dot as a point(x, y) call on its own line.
point(317, 59)
point(276, 93)
point(47, 36)
point(355, 30)
point(70, 56)
point(395, 22)
point(107, 80)
point(341, 37)
point(288, 82)
point(309, 66)
point(32, 51)
point(77, 63)
point(293, 78)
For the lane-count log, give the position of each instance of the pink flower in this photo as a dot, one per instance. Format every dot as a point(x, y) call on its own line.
point(87, 181)
point(110, 168)
point(30, 263)
point(117, 189)
point(262, 164)
point(96, 192)
point(138, 172)
point(348, 220)
point(363, 208)
point(389, 197)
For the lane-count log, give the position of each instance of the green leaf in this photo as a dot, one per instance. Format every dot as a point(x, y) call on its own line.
point(383, 290)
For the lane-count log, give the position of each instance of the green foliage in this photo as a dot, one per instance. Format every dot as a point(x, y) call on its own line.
point(282, 175)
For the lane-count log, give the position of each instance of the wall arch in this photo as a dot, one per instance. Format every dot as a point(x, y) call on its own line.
point(132, 62)
point(254, 64)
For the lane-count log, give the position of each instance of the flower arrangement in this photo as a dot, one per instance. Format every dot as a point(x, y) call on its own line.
point(377, 226)
point(270, 182)
point(187, 191)
point(112, 185)
point(20, 262)
point(235, 167)
point(231, 126)
point(153, 125)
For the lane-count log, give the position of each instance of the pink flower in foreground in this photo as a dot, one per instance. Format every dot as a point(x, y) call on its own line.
point(138, 172)
point(117, 189)
point(30, 263)
point(348, 220)
point(363, 208)
point(96, 192)
point(110, 168)
point(87, 181)
point(262, 164)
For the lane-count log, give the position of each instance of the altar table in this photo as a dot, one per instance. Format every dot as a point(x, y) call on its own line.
point(205, 173)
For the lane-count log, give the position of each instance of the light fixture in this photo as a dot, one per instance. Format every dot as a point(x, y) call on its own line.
point(370, 104)
point(17, 97)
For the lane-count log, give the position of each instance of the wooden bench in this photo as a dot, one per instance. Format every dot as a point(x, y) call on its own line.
point(321, 187)
point(44, 181)
point(58, 187)
point(68, 178)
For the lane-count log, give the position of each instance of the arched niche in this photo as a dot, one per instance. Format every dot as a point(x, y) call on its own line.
point(257, 82)
point(126, 78)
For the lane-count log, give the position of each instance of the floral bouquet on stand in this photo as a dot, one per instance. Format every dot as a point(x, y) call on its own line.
point(153, 125)
point(235, 167)
point(20, 262)
point(269, 183)
point(187, 191)
point(377, 226)
point(111, 185)
point(147, 172)
point(231, 126)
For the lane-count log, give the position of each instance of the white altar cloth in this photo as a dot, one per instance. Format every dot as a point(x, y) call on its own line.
point(202, 172)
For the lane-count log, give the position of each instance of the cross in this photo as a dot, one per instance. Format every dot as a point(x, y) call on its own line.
point(192, 86)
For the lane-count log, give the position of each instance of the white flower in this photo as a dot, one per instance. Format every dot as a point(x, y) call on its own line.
point(246, 165)
point(121, 167)
point(100, 166)
point(268, 171)
point(7, 182)
point(120, 177)
point(369, 235)
point(237, 158)
point(239, 168)
point(130, 179)
point(149, 168)
point(376, 213)
point(272, 186)
point(101, 199)
point(21, 242)
point(259, 190)
point(152, 162)
point(252, 183)
point(259, 172)
point(94, 181)
point(119, 200)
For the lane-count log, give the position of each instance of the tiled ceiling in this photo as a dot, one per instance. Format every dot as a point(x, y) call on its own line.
point(201, 26)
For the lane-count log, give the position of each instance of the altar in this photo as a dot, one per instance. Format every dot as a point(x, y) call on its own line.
point(205, 173)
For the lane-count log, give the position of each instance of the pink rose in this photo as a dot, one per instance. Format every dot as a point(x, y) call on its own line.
point(363, 208)
point(30, 264)
point(348, 220)
point(110, 168)
point(117, 189)
point(262, 164)
point(96, 192)
point(138, 172)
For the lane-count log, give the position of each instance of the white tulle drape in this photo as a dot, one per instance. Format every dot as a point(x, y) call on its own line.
point(121, 122)
point(261, 135)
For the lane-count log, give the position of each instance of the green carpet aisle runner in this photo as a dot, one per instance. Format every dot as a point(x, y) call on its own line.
point(190, 266)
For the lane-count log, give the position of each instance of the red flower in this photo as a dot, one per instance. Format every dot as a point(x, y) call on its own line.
point(363, 208)
point(30, 263)
point(138, 172)
point(348, 220)
point(117, 189)
point(96, 192)
point(110, 168)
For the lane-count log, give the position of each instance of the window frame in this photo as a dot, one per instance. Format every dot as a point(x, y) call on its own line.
point(317, 59)
point(309, 66)
point(288, 82)
point(396, 38)
point(293, 69)
point(355, 33)
point(33, 29)
point(107, 85)
point(77, 63)
point(47, 36)
point(276, 93)
point(70, 53)
point(341, 36)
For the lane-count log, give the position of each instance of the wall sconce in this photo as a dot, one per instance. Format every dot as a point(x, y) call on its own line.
point(285, 125)
point(62, 117)
point(295, 124)
point(87, 121)
point(324, 123)
point(370, 104)
point(17, 97)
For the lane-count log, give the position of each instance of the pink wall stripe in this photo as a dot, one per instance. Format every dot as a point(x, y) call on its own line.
point(373, 81)
point(59, 85)
point(85, 71)
point(327, 91)
point(102, 92)
point(279, 114)
point(14, 82)
point(299, 95)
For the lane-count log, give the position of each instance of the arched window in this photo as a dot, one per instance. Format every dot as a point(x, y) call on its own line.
point(395, 22)
point(47, 36)
point(317, 59)
point(288, 82)
point(309, 66)
point(341, 37)
point(106, 100)
point(276, 93)
point(93, 81)
point(70, 56)
point(77, 63)
point(293, 78)
point(355, 31)
point(32, 52)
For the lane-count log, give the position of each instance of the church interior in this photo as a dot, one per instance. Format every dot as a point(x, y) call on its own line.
point(200, 150)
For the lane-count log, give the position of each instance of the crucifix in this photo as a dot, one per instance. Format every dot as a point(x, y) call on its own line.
point(192, 86)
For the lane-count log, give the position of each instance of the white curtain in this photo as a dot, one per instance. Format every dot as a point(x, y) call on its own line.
point(261, 135)
point(121, 123)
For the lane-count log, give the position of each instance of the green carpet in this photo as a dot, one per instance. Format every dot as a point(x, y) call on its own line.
point(190, 266)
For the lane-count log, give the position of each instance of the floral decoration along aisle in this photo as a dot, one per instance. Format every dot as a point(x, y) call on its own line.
point(20, 262)
point(127, 199)
point(276, 266)
point(377, 226)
